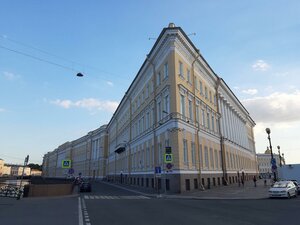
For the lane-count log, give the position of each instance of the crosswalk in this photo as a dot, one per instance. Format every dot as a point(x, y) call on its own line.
point(111, 197)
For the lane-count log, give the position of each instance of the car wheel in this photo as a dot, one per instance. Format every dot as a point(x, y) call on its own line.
point(289, 195)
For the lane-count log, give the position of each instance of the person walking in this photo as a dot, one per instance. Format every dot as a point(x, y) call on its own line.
point(254, 180)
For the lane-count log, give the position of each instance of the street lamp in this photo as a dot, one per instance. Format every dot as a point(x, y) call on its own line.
point(280, 164)
point(272, 158)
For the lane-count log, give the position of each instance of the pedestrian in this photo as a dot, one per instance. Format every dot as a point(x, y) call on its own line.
point(254, 180)
point(239, 182)
point(243, 182)
point(265, 182)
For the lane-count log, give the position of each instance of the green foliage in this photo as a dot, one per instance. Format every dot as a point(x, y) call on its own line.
point(35, 166)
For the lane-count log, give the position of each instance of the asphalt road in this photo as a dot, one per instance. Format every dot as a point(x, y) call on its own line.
point(108, 205)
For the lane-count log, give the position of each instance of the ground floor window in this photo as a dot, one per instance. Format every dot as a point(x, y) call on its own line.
point(195, 184)
point(167, 184)
point(187, 184)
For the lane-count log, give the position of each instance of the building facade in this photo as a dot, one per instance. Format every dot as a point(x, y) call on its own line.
point(178, 105)
point(86, 154)
point(264, 163)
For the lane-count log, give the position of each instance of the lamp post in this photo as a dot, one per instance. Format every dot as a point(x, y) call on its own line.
point(272, 157)
point(280, 164)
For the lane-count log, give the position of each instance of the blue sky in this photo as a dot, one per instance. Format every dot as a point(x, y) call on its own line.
point(253, 45)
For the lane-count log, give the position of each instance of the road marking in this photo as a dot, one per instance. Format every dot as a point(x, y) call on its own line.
point(112, 197)
point(80, 218)
point(86, 215)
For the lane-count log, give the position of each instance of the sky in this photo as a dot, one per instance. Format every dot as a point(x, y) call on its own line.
point(253, 45)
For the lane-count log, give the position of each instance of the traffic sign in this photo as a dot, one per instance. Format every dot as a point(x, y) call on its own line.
point(273, 161)
point(274, 167)
point(168, 150)
point(71, 171)
point(169, 166)
point(168, 158)
point(66, 163)
point(157, 169)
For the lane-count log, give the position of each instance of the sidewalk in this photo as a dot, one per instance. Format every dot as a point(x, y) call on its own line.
point(233, 191)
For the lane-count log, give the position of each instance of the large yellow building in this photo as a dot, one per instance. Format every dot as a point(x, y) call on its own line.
point(177, 105)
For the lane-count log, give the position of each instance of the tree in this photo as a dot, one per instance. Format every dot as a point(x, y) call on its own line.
point(35, 166)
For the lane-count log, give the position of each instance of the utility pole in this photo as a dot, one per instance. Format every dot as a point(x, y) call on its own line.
point(25, 164)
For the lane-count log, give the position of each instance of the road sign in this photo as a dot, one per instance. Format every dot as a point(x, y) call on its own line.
point(274, 167)
point(168, 158)
point(157, 169)
point(71, 171)
point(66, 163)
point(168, 150)
point(273, 161)
point(169, 166)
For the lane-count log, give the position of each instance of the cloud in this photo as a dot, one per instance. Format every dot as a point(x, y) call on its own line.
point(11, 76)
point(250, 91)
point(88, 103)
point(277, 107)
point(260, 65)
point(110, 83)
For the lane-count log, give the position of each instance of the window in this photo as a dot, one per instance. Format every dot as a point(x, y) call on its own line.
point(196, 83)
point(206, 157)
point(148, 120)
point(182, 105)
point(159, 153)
point(159, 115)
point(200, 156)
point(208, 122)
point(203, 117)
point(201, 87)
point(185, 151)
point(197, 113)
point(188, 74)
point(181, 69)
point(215, 100)
point(212, 162)
point(158, 79)
point(216, 159)
point(147, 91)
point(166, 103)
point(151, 86)
point(212, 122)
point(143, 124)
point(148, 156)
point(193, 153)
point(190, 109)
point(206, 94)
point(210, 97)
point(166, 71)
point(217, 125)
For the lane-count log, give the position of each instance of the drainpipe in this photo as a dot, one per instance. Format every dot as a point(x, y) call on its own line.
point(221, 135)
point(197, 123)
point(154, 121)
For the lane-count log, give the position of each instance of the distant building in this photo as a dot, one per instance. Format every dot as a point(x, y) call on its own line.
point(35, 172)
point(264, 162)
point(4, 169)
point(16, 170)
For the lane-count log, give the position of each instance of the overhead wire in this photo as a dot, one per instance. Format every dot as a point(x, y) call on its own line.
point(5, 37)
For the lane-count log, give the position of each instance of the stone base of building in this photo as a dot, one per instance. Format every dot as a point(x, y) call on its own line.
point(178, 183)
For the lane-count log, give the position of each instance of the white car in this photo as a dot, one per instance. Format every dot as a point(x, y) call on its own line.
point(283, 189)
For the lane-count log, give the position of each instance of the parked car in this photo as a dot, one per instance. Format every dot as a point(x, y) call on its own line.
point(284, 189)
point(85, 186)
point(297, 186)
